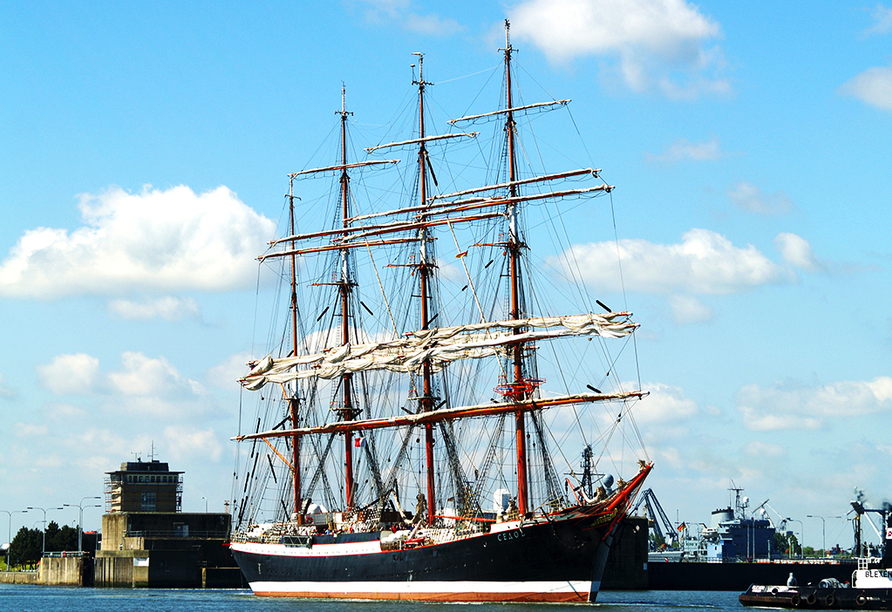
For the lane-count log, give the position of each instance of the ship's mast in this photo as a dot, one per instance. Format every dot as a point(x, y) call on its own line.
point(346, 410)
point(293, 403)
point(424, 273)
point(514, 246)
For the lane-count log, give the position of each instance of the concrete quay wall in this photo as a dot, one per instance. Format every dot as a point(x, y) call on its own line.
point(55, 571)
point(65, 571)
point(18, 577)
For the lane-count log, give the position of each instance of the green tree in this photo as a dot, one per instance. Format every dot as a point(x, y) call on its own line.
point(25, 547)
point(59, 539)
point(787, 544)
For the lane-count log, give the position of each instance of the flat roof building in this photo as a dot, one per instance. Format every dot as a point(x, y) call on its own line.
point(148, 541)
point(143, 487)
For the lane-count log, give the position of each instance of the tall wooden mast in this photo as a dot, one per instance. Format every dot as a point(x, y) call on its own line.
point(293, 403)
point(424, 273)
point(346, 410)
point(514, 246)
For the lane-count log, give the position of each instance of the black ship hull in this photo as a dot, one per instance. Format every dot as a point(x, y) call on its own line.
point(731, 576)
point(554, 559)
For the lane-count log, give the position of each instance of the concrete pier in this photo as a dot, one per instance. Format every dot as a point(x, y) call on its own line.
point(55, 571)
point(18, 577)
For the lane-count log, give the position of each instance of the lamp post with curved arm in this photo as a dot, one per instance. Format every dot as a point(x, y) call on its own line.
point(9, 531)
point(44, 510)
point(801, 532)
point(823, 529)
point(80, 519)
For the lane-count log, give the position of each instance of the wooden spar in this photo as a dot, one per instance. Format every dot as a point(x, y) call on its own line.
point(444, 208)
point(344, 166)
point(445, 414)
point(357, 233)
point(475, 203)
point(425, 223)
point(278, 454)
point(342, 231)
point(334, 247)
point(424, 139)
point(483, 202)
point(510, 110)
point(534, 179)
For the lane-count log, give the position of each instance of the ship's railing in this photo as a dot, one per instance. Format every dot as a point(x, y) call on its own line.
point(764, 560)
point(274, 534)
point(266, 538)
point(270, 534)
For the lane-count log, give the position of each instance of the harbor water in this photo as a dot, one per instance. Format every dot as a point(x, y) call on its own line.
point(24, 598)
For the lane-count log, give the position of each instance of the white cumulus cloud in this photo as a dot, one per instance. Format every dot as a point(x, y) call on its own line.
point(764, 450)
point(224, 375)
point(30, 431)
point(152, 241)
point(704, 262)
point(797, 252)
point(791, 405)
point(146, 376)
point(404, 14)
point(189, 443)
point(873, 87)
point(882, 21)
point(749, 197)
point(168, 307)
point(657, 44)
point(666, 404)
point(72, 374)
point(683, 150)
point(688, 309)
point(142, 385)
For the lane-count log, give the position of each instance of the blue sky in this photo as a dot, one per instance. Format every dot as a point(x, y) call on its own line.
point(144, 152)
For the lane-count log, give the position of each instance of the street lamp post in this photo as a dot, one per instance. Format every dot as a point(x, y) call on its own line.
point(205, 504)
point(80, 519)
point(9, 531)
point(801, 532)
point(44, 510)
point(823, 529)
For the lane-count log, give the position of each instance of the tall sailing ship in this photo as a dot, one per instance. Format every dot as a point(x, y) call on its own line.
point(407, 444)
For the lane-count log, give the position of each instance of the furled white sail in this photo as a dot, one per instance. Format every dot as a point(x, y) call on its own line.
point(438, 347)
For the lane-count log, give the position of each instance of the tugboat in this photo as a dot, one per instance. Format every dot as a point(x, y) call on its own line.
point(870, 589)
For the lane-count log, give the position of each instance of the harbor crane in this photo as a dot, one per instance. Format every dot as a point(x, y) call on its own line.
point(762, 510)
point(657, 517)
point(859, 508)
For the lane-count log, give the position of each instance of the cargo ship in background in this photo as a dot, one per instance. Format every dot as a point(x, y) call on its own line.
point(403, 380)
point(741, 547)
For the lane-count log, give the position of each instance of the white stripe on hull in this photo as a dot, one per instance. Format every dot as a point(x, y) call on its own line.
point(317, 550)
point(576, 590)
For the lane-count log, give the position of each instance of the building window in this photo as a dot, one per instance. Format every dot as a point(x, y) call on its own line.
point(148, 501)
